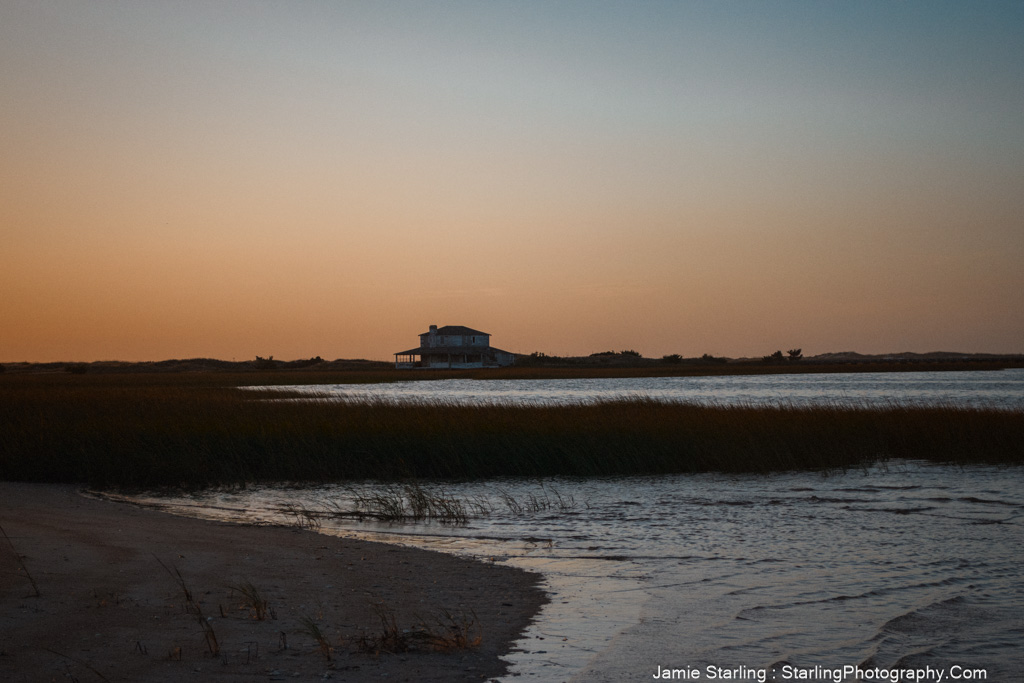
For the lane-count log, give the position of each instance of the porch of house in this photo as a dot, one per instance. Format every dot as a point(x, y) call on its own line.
point(435, 358)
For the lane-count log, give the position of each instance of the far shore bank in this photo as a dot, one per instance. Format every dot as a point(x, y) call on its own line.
point(342, 371)
point(112, 606)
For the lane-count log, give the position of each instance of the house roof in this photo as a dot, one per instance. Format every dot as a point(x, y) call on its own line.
point(457, 329)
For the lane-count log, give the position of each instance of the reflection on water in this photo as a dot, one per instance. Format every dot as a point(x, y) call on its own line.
point(1002, 388)
point(910, 565)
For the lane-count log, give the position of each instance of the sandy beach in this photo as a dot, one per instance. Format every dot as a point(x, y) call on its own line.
point(111, 606)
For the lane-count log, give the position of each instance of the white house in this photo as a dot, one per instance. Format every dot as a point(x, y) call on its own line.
point(454, 346)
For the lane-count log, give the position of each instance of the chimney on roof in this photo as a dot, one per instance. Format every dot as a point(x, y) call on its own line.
point(433, 329)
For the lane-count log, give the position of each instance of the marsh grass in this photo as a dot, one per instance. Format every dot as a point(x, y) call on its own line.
point(548, 500)
point(444, 631)
point(411, 502)
point(135, 432)
point(192, 607)
point(253, 600)
point(448, 632)
point(304, 518)
point(390, 639)
point(312, 629)
point(21, 564)
point(79, 662)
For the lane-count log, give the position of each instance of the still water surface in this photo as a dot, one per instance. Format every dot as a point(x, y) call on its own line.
point(907, 565)
point(1002, 388)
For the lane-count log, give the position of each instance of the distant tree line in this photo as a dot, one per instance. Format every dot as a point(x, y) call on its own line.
point(791, 356)
point(539, 358)
point(269, 363)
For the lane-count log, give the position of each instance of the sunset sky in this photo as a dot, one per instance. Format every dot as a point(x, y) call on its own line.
point(226, 179)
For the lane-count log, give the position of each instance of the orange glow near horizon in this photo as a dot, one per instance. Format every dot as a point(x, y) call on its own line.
point(303, 181)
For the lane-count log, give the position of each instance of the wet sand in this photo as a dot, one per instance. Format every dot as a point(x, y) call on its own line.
point(109, 610)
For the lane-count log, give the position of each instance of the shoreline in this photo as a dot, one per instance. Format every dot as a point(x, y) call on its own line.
point(108, 610)
point(204, 371)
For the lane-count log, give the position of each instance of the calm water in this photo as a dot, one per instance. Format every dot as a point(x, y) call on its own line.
point(1003, 388)
point(903, 567)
